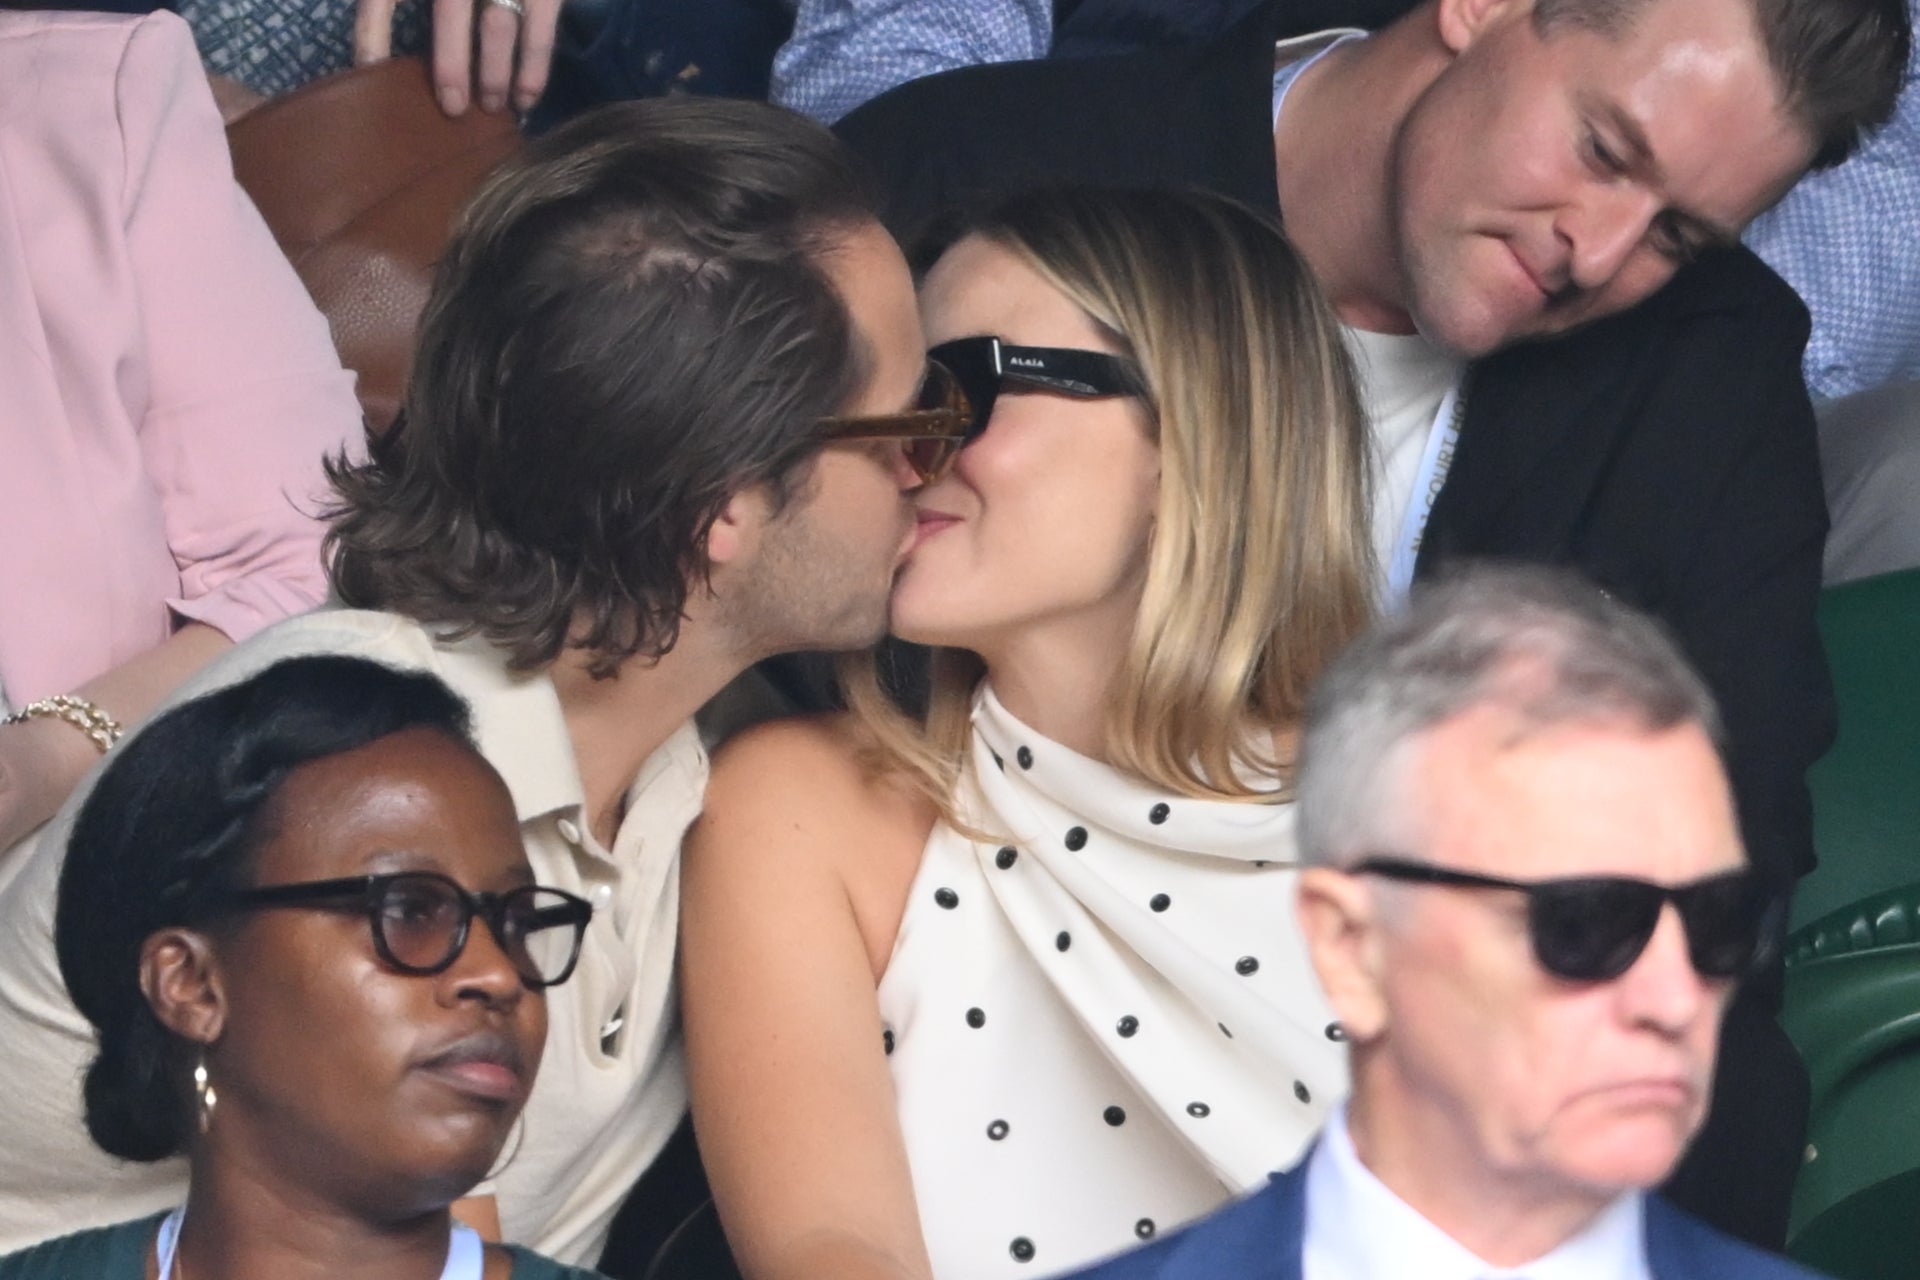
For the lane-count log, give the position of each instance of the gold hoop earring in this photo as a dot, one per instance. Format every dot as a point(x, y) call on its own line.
point(204, 1091)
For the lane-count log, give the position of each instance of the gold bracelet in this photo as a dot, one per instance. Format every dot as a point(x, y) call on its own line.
point(101, 729)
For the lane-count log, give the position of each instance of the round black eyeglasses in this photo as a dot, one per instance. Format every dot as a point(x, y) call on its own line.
point(421, 920)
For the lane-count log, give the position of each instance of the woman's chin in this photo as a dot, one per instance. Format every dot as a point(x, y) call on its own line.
point(458, 1156)
point(942, 617)
point(916, 631)
point(914, 615)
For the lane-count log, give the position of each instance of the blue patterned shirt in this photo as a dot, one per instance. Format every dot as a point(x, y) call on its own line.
point(844, 52)
point(1848, 240)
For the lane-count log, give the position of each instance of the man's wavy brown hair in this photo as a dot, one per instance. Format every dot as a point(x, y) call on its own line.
point(630, 325)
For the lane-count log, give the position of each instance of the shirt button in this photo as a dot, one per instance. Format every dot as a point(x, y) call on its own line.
point(569, 831)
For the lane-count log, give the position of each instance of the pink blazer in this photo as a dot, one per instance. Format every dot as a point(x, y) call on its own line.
point(167, 388)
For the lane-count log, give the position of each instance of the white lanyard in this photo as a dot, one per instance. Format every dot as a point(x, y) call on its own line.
point(1435, 462)
point(466, 1255)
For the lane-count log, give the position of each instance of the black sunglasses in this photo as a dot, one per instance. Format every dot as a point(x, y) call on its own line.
point(1593, 928)
point(421, 920)
point(964, 378)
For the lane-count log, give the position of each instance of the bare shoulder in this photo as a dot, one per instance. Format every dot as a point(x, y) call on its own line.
point(822, 745)
point(796, 813)
point(810, 776)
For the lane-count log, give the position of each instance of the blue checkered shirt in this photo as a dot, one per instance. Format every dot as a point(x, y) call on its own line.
point(1848, 240)
point(844, 52)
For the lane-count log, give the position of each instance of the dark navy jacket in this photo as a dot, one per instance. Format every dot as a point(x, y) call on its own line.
point(1260, 1238)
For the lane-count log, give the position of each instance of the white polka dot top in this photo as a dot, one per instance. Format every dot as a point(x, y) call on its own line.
point(1102, 1024)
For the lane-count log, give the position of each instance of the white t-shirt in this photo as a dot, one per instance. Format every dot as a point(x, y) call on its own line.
point(1404, 378)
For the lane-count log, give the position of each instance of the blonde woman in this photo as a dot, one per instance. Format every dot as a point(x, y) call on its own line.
point(1017, 986)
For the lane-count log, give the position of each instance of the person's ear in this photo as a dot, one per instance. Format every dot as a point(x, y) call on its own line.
point(181, 978)
point(1339, 916)
point(1461, 22)
point(735, 532)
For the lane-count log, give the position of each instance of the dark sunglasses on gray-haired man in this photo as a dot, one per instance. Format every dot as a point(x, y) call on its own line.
point(1593, 928)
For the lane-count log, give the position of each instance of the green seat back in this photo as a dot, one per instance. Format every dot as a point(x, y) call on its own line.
point(1853, 977)
point(1866, 791)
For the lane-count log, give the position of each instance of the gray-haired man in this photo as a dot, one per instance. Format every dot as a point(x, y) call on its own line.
point(1529, 904)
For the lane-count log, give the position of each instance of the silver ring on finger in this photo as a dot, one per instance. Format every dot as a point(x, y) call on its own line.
point(514, 7)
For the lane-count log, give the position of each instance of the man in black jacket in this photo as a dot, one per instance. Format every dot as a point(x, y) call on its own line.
point(1527, 213)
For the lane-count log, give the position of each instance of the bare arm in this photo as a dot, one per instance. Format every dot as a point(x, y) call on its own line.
point(791, 894)
point(42, 761)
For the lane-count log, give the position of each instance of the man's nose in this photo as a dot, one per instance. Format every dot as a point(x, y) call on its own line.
point(1663, 989)
point(1603, 229)
point(905, 475)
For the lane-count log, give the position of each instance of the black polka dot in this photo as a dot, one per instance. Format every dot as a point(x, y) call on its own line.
point(1076, 838)
point(1025, 757)
point(976, 1018)
point(1062, 940)
point(1021, 1248)
point(1160, 902)
point(1246, 965)
point(1223, 1030)
point(1157, 815)
point(1006, 857)
point(1336, 1032)
point(886, 1039)
point(1199, 1110)
point(947, 898)
point(1261, 863)
point(1114, 1116)
point(1300, 1092)
point(1144, 1228)
point(998, 763)
point(997, 1130)
point(1127, 1026)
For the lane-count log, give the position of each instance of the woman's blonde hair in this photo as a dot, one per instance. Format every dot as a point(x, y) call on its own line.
point(1260, 567)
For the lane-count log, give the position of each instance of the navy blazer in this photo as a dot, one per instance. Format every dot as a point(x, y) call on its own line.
point(1260, 1238)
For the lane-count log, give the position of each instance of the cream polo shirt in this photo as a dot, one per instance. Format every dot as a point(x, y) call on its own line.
point(612, 1085)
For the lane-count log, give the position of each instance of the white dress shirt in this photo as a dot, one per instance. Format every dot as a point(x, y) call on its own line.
point(1357, 1229)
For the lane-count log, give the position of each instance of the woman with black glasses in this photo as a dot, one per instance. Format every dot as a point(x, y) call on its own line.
point(1015, 984)
point(299, 916)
